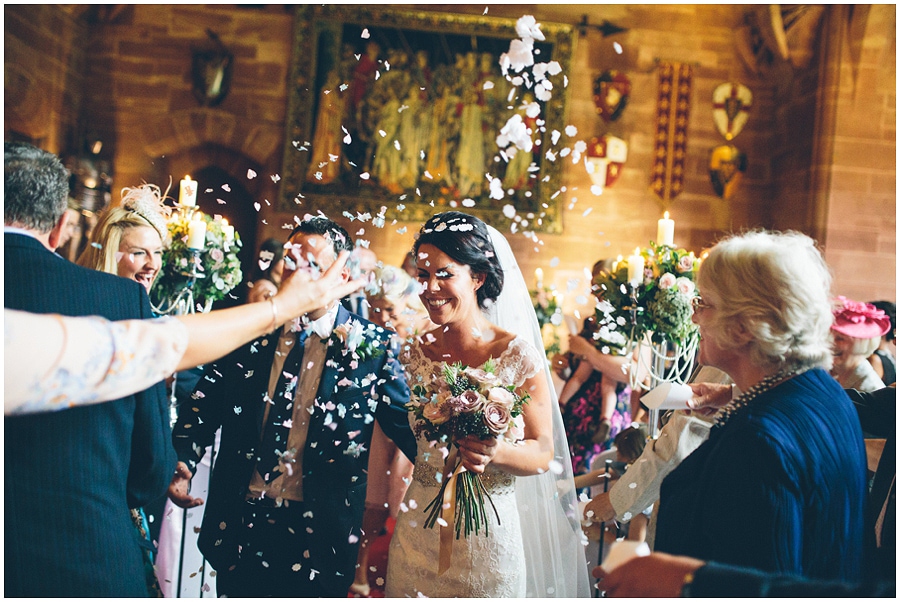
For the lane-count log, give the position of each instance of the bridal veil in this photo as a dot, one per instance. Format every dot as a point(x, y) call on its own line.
point(548, 506)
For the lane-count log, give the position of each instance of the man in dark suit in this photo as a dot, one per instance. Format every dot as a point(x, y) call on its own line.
point(72, 476)
point(296, 411)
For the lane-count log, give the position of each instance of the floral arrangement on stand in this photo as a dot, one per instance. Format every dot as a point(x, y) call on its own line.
point(648, 299)
point(458, 402)
point(547, 308)
point(211, 272)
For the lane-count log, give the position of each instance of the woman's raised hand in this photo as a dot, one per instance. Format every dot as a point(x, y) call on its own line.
point(301, 291)
point(709, 397)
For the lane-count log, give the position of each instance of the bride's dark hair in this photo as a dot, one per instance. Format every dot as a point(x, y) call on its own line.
point(466, 239)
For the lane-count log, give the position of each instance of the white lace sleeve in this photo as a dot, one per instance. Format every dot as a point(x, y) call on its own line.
point(54, 362)
point(519, 362)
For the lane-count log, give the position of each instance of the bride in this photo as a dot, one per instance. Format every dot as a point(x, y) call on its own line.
point(475, 293)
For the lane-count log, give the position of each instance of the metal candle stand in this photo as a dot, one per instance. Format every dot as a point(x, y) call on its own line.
point(667, 363)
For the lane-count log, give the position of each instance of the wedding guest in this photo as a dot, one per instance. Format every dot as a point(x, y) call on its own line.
point(883, 359)
point(128, 239)
point(394, 304)
point(268, 271)
point(877, 411)
point(595, 406)
point(857, 332)
point(55, 362)
point(362, 263)
point(296, 410)
point(780, 484)
point(682, 433)
point(67, 509)
point(685, 577)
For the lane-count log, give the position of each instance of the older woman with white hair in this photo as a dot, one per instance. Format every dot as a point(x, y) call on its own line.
point(780, 485)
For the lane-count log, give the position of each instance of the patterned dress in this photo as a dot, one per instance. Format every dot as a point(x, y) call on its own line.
point(581, 416)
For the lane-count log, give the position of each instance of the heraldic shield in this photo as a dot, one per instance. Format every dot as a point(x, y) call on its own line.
point(731, 108)
point(211, 71)
point(611, 92)
point(605, 158)
point(727, 165)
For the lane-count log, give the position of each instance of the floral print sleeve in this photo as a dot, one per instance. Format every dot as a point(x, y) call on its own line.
point(53, 362)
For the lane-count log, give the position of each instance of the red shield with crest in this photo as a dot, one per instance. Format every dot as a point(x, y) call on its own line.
point(611, 92)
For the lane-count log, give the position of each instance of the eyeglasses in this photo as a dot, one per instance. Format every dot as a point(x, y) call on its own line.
point(698, 304)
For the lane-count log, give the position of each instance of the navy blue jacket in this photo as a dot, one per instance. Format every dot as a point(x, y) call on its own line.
point(781, 487)
point(72, 475)
point(231, 395)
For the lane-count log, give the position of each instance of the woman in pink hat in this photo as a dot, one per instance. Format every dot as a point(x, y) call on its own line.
point(857, 331)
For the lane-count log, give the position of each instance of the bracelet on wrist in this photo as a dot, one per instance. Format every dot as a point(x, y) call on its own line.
point(274, 314)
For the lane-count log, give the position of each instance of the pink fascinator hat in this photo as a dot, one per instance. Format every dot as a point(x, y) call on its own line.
point(859, 320)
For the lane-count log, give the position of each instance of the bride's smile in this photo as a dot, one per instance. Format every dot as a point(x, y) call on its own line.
point(448, 288)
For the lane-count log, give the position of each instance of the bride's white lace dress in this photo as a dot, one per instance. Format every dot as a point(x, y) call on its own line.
point(491, 566)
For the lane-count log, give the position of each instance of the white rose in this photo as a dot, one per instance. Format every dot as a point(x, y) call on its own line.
point(667, 281)
point(685, 286)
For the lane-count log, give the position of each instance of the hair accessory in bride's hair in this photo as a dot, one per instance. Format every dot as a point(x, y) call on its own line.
point(454, 221)
point(148, 202)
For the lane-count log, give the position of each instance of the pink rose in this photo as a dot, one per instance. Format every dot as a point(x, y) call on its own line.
point(685, 264)
point(685, 286)
point(502, 396)
point(467, 402)
point(667, 281)
point(497, 417)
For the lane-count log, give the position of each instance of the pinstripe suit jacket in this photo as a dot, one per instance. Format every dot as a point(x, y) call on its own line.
point(71, 476)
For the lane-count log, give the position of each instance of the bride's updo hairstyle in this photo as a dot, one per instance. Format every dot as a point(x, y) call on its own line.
point(466, 239)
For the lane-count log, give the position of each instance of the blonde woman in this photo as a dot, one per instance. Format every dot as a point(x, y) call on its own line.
point(128, 239)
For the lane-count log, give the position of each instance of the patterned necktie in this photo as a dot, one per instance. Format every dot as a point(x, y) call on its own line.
point(275, 433)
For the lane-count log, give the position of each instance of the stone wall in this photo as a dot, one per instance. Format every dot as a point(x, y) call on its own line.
point(861, 197)
point(832, 177)
point(44, 75)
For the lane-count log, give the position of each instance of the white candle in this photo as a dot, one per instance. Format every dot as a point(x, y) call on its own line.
point(229, 232)
point(187, 197)
point(665, 231)
point(196, 233)
point(636, 267)
point(539, 277)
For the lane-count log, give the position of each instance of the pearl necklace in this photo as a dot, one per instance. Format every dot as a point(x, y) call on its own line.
point(766, 384)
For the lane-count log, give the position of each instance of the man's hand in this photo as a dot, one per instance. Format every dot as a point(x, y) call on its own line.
point(655, 576)
point(178, 488)
point(599, 509)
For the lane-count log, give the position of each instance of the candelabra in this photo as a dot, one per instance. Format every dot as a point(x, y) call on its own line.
point(181, 302)
point(661, 361)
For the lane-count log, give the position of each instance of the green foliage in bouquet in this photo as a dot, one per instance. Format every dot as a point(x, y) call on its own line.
point(459, 402)
point(660, 305)
point(218, 263)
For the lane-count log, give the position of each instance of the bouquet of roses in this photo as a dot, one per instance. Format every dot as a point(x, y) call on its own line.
point(660, 304)
point(458, 402)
